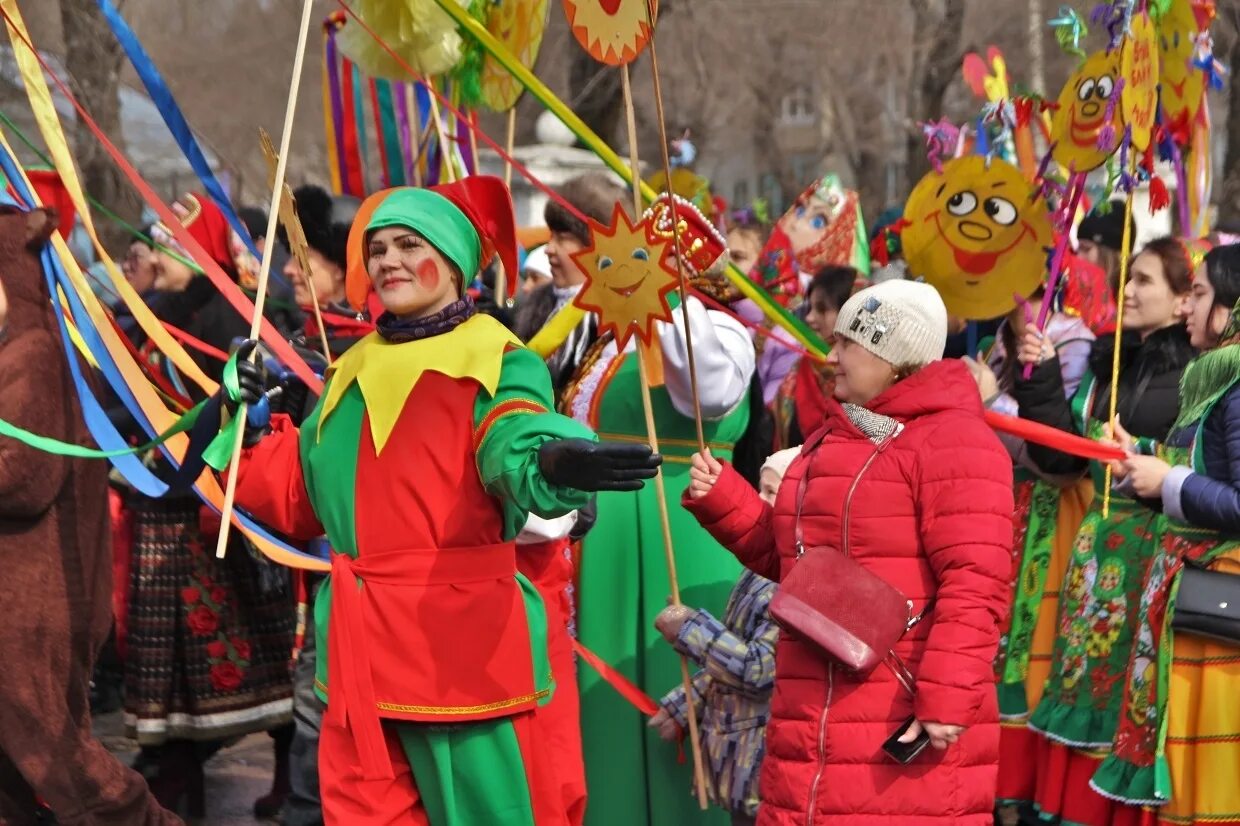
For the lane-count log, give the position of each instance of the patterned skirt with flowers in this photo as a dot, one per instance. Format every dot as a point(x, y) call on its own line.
point(210, 640)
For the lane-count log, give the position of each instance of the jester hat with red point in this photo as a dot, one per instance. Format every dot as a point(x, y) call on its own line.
point(469, 222)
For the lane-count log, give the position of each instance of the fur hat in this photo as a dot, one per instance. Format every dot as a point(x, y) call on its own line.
point(594, 195)
point(326, 219)
point(1104, 230)
point(904, 323)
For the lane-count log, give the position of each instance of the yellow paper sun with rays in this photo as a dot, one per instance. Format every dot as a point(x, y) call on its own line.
point(628, 277)
point(612, 31)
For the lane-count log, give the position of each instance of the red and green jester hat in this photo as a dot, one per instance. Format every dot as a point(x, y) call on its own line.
point(433, 441)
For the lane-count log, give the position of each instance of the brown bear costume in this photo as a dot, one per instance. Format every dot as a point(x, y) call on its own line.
point(55, 587)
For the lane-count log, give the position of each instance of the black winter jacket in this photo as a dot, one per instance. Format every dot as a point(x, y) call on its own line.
point(1149, 392)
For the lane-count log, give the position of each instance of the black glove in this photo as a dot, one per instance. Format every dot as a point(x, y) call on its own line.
point(586, 465)
point(252, 381)
point(587, 515)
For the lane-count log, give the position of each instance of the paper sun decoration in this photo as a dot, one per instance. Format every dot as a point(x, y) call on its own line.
point(628, 276)
point(1085, 110)
point(977, 233)
point(612, 31)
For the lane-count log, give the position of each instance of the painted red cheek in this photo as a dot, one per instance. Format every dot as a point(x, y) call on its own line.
point(427, 273)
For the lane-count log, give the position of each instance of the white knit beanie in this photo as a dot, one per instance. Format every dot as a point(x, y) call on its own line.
point(902, 322)
point(780, 460)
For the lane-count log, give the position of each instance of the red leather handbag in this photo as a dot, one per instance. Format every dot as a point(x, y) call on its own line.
point(851, 614)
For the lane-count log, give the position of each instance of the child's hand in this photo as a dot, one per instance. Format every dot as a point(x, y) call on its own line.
point(668, 730)
point(670, 620)
point(704, 472)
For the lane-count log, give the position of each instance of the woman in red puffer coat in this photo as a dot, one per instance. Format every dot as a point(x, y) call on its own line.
point(906, 465)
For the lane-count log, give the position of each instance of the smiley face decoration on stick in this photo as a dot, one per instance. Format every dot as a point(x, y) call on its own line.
point(1139, 68)
point(628, 277)
point(612, 31)
point(978, 232)
point(1087, 115)
point(1182, 84)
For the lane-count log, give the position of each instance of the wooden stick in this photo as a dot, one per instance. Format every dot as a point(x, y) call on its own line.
point(652, 437)
point(512, 139)
point(446, 159)
point(296, 234)
point(473, 138)
point(273, 215)
point(501, 282)
point(1125, 250)
point(680, 267)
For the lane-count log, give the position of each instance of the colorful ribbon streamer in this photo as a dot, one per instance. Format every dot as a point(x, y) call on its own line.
point(174, 119)
point(49, 124)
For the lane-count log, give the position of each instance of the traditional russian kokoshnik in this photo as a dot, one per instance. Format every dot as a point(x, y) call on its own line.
point(431, 444)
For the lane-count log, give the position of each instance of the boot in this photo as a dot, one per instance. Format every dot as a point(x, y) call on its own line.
point(269, 805)
point(179, 785)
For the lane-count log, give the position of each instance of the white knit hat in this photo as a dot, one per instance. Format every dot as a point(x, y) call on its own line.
point(780, 460)
point(902, 322)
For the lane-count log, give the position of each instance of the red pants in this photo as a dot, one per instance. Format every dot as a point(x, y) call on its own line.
point(350, 800)
point(547, 566)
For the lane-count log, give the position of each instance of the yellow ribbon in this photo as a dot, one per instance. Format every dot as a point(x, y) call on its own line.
point(149, 400)
point(53, 135)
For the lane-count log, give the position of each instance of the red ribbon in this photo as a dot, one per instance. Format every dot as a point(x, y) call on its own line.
point(639, 699)
point(1054, 438)
point(210, 268)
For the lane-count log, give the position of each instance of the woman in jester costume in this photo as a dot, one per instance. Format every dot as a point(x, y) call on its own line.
point(431, 444)
point(1178, 742)
point(1098, 614)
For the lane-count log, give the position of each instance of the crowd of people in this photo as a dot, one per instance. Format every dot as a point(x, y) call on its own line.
point(490, 524)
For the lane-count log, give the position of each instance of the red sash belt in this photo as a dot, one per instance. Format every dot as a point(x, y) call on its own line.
point(352, 700)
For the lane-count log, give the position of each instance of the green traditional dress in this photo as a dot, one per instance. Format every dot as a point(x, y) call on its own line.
point(1175, 747)
point(633, 777)
point(1097, 610)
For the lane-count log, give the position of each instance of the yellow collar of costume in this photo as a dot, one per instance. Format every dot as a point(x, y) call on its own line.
point(386, 373)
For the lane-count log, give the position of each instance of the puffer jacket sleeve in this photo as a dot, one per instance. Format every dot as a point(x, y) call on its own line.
point(1200, 499)
point(964, 497)
point(740, 521)
point(1043, 399)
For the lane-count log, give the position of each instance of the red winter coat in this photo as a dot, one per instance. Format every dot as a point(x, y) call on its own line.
point(933, 516)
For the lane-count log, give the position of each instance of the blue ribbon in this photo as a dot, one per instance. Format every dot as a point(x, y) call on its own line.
point(101, 428)
point(161, 96)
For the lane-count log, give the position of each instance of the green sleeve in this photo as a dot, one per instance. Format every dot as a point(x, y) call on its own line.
point(509, 428)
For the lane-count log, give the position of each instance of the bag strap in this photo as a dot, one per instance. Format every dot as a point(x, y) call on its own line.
point(807, 450)
point(893, 661)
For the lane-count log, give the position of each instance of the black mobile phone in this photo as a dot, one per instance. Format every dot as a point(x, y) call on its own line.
point(905, 752)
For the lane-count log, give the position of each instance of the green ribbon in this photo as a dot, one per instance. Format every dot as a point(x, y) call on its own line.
point(217, 454)
point(74, 451)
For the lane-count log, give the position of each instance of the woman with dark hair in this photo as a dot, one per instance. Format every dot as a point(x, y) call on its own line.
point(801, 400)
point(1098, 614)
point(1188, 683)
point(209, 639)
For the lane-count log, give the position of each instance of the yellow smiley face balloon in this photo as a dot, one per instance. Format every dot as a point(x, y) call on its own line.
point(1182, 84)
point(1082, 114)
point(979, 234)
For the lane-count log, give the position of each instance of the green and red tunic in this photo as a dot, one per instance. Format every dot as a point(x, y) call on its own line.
point(420, 465)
